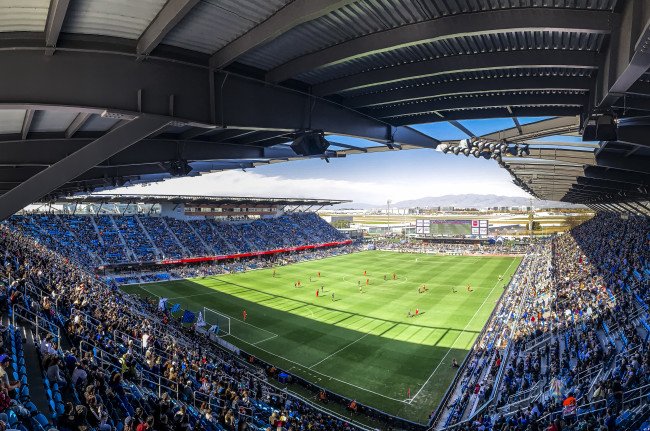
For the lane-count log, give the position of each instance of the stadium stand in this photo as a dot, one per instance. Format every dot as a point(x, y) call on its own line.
point(579, 355)
point(127, 367)
point(566, 346)
point(110, 239)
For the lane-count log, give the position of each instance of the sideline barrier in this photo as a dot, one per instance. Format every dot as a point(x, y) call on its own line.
point(257, 253)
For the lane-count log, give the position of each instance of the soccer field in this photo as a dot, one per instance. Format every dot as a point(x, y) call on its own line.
point(362, 344)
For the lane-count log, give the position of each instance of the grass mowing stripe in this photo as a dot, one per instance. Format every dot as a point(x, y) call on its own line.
point(452, 346)
point(379, 367)
point(341, 349)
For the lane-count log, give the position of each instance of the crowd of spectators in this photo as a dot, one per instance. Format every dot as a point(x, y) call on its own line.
point(579, 355)
point(112, 239)
point(132, 366)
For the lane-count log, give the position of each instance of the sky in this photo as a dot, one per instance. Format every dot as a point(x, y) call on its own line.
point(364, 178)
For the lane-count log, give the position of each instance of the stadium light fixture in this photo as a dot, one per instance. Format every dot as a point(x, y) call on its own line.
point(444, 148)
point(456, 150)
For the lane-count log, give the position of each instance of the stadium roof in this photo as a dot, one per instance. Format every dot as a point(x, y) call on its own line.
point(196, 200)
point(98, 93)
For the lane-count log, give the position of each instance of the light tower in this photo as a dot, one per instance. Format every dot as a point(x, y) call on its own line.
point(388, 202)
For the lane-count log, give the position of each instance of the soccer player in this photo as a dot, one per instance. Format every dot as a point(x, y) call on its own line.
point(393, 276)
point(244, 315)
point(419, 290)
point(316, 293)
point(468, 287)
point(417, 310)
point(295, 284)
point(318, 274)
point(321, 288)
point(384, 277)
point(358, 282)
point(298, 283)
point(453, 290)
point(409, 315)
point(274, 273)
point(367, 281)
point(364, 272)
point(310, 278)
point(332, 296)
point(360, 289)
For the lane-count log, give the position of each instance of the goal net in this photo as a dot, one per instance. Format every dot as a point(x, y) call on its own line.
point(214, 318)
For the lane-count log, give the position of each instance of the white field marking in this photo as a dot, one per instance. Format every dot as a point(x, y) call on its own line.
point(457, 337)
point(312, 313)
point(191, 296)
point(261, 341)
point(324, 375)
point(341, 349)
point(149, 292)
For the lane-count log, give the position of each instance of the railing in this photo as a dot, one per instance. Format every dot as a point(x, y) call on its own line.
point(506, 355)
point(116, 364)
point(35, 323)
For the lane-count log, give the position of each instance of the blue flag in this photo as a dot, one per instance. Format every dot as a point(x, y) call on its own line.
point(175, 308)
point(188, 317)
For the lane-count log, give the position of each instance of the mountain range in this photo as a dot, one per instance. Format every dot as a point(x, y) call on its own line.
point(462, 201)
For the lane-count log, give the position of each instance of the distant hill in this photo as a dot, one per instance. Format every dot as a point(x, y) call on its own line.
point(463, 201)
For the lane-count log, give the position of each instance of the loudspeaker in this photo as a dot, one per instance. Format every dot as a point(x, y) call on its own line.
point(310, 144)
point(606, 128)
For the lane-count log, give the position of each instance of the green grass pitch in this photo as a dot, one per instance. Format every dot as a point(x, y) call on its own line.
point(362, 345)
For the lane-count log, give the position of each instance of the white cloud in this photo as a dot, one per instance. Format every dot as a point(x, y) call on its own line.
point(374, 190)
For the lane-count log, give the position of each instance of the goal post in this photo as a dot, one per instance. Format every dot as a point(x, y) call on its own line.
point(212, 317)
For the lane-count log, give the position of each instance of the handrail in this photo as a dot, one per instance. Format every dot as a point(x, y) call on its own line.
point(35, 323)
point(444, 401)
point(506, 354)
point(115, 365)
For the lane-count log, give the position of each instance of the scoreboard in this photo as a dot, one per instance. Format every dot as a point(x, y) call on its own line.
point(451, 227)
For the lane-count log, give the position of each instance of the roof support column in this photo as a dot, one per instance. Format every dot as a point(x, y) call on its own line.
point(78, 162)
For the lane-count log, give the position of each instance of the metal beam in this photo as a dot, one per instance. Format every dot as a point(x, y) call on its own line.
point(462, 128)
point(479, 101)
point(490, 113)
point(472, 86)
point(538, 129)
point(291, 15)
point(77, 163)
point(501, 61)
point(93, 82)
point(54, 22)
point(27, 122)
point(617, 175)
point(628, 55)
point(46, 152)
point(633, 164)
point(570, 156)
point(170, 15)
point(76, 124)
point(445, 28)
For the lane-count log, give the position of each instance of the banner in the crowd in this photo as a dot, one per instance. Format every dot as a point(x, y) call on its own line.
point(257, 253)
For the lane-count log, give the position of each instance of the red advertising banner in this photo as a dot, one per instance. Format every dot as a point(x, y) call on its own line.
point(257, 253)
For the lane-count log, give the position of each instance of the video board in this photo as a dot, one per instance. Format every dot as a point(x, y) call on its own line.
point(451, 227)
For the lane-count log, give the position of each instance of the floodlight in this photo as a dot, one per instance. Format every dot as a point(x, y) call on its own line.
point(466, 152)
point(481, 145)
point(456, 150)
point(444, 148)
point(464, 143)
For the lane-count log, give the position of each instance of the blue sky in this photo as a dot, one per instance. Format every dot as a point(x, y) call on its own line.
point(368, 178)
